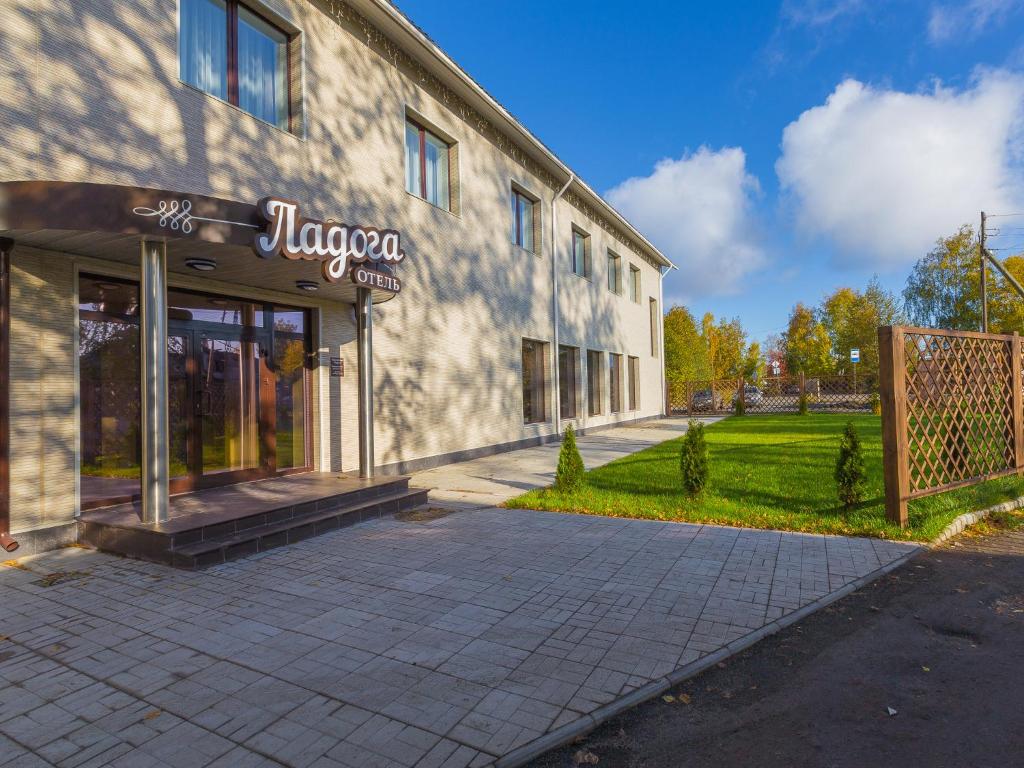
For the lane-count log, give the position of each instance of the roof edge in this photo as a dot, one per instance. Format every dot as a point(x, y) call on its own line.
point(385, 12)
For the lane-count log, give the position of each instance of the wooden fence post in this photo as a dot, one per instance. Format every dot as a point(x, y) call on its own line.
point(1018, 406)
point(892, 386)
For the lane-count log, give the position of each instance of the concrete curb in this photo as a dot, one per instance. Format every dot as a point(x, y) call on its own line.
point(966, 520)
point(572, 731)
point(585, 724)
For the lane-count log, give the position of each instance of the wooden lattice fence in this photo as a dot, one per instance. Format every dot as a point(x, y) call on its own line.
point(951, 411)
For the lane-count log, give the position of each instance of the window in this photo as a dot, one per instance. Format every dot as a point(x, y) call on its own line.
point(614, 273)
point(233, 53)
point(568, 380)
point(580, 253)
point(654, 327)
point(634, 283)
point(523, 221)
point(595, 370)
point(534, 405)
point(110, 390)
point(427, 166)
point(634, 383)
point(615, 382)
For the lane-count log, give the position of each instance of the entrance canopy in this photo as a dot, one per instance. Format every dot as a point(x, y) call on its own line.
point(106, 221)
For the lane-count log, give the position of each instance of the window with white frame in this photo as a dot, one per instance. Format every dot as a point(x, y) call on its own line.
point(427, 166)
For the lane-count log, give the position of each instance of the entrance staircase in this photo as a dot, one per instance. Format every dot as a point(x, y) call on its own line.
point(220, 525)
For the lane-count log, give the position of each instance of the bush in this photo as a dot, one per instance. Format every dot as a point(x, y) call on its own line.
point(876, 404)
point(569, 475)
point(803, 404)
point(693, 459)
point(851, 477)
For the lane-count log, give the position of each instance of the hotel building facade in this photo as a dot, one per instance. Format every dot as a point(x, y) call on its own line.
point(252, 239)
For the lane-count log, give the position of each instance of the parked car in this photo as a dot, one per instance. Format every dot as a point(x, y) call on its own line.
point(811, 387)
point(751, 396)
point(706, 400)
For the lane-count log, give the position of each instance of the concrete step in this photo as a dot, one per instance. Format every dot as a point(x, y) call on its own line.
point(242, 542)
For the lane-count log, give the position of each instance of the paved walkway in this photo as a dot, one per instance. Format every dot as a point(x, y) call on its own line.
point(496, 479)
point(447, 642)
point(920, 668)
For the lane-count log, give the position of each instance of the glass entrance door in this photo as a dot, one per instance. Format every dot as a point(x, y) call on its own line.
point(229, 405)
point(222, 407)
point(238, 390)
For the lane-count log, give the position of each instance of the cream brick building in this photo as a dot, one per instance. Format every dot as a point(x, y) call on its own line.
point(164, 122)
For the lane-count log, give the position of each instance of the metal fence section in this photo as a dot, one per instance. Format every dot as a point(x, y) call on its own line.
point(776, 394)
point(951, 411)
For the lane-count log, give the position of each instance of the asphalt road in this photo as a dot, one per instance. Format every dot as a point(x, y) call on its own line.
point(924, 667)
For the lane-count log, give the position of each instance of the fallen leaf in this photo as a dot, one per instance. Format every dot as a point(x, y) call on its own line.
point(152, 714)
point(891, 711)
point(926, 669)
point(668, 699)
point(685, 698)
point(585, 757)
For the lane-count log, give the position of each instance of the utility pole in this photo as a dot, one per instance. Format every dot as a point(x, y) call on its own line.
point(983, 262)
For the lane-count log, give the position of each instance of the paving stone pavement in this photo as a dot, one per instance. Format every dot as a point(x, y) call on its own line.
point(493, 480)
point(443, 643)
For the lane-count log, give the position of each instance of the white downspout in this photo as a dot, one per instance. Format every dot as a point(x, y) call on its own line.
point(661, 338)
point(556, 401)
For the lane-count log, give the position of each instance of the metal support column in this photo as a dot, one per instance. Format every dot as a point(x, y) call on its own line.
point(6, 542)
point(364, 320)
point(155, 431)
point(983, 265)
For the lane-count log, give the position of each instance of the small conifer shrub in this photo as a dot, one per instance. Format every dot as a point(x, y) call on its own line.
point(739, 407)
point(851, 477)
point(569, 475)
point(693, 460)
point(803, 404)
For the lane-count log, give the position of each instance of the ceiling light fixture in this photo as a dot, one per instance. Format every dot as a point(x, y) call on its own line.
point(307, 285)
point(203, 265)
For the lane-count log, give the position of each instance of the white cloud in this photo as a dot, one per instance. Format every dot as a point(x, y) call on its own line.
point(885, 173)
point(818, 13)
point(967, 20)
point(697, 210)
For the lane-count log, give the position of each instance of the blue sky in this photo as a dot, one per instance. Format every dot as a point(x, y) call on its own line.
point(774, 151)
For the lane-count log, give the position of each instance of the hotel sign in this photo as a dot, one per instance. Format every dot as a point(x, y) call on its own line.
point(344, 249)
point(365, 255)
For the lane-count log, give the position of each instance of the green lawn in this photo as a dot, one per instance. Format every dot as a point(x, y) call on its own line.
point(766, 472)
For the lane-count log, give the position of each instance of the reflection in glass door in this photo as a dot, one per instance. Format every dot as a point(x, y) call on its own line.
point(180, 410)
point(238, 390)
point(229, 402)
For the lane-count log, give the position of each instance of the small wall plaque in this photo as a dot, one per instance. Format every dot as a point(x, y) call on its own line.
point(337, 367)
